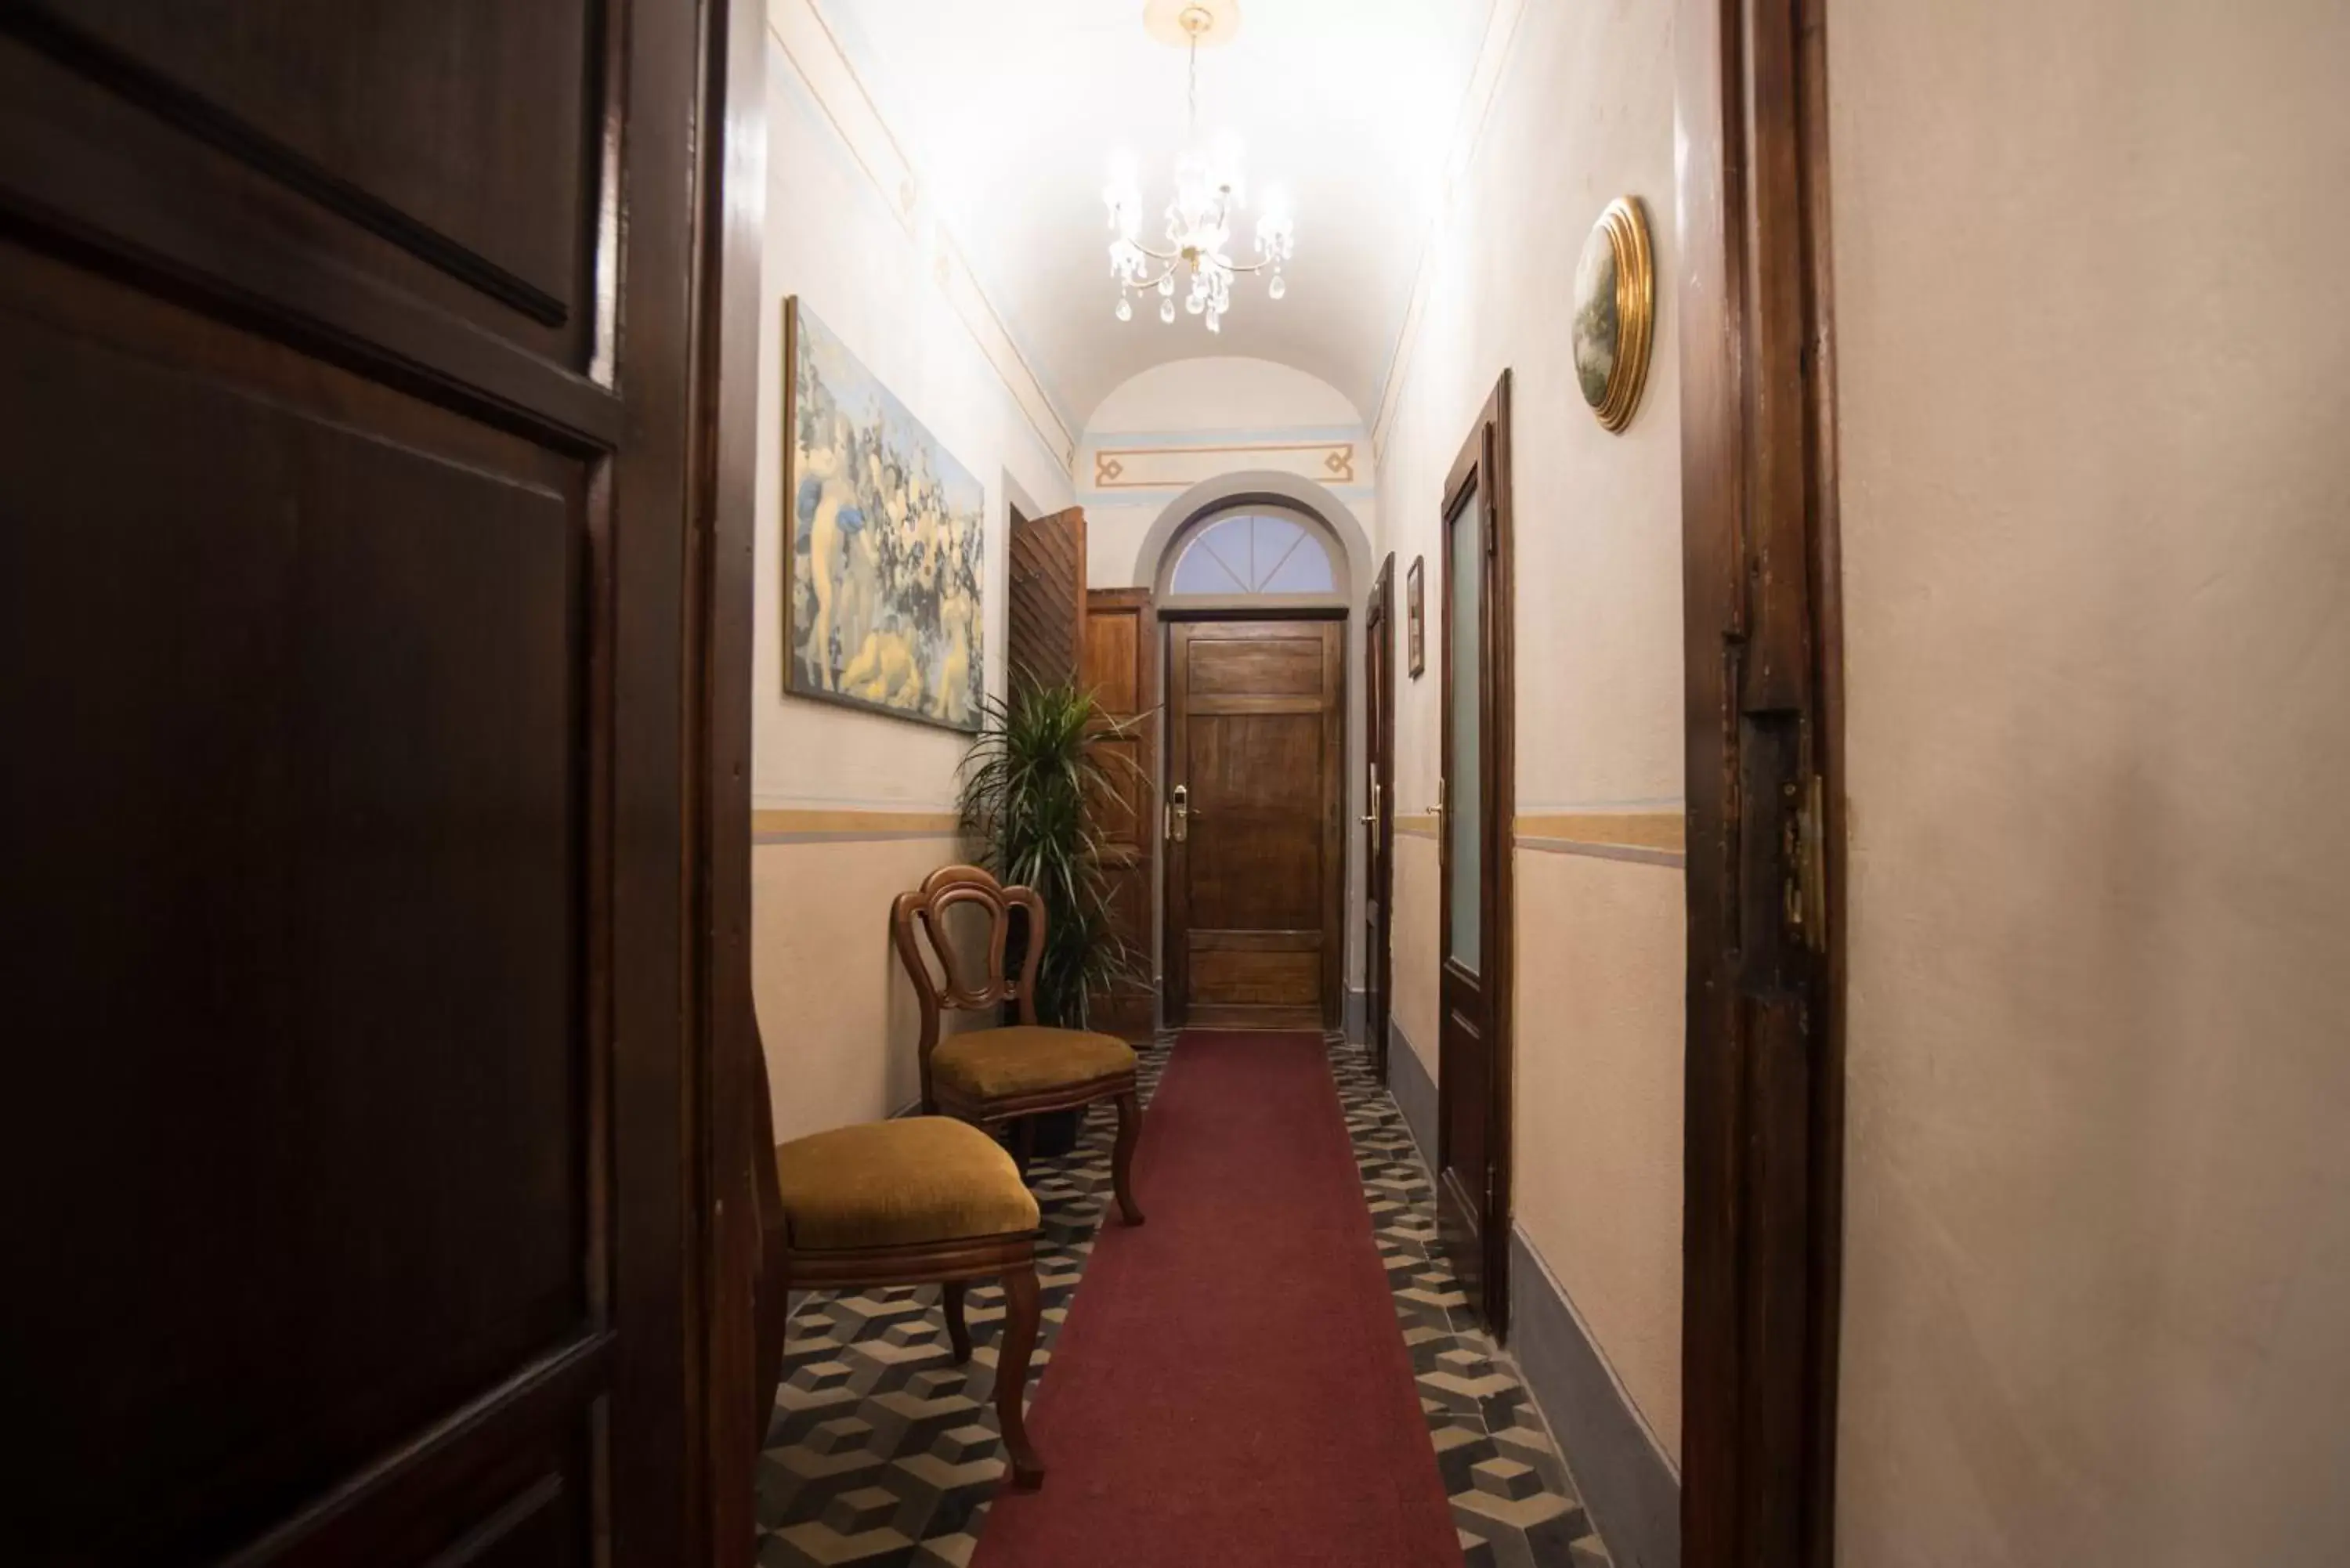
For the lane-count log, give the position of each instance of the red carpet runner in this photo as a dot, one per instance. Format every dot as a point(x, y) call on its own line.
point(1231, 1389)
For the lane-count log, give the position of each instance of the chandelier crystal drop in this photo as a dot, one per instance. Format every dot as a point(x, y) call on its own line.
point(1210, 193)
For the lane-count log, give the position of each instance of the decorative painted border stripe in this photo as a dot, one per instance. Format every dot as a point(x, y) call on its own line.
point(832, 826)
point(1330, 462)
point(1420, 825)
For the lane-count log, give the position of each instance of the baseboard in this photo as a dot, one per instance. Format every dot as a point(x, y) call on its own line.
point(1414, 1091)
point(1631, 1487)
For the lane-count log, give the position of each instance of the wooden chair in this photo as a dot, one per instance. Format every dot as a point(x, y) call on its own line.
point(989, 1077)
point(915, 1201)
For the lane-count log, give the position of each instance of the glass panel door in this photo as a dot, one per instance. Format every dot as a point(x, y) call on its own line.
point(1463, 800)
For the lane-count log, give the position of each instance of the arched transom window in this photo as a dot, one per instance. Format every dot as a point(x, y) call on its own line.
point(1254, 553)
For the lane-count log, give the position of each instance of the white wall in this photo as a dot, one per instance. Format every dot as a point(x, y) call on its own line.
point(2095, 362)
point(837, 1019)
point(1583, 113)
point(1238, 405)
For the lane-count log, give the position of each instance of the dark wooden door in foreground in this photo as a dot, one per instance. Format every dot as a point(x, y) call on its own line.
point(361, 939)
point(1255, 758)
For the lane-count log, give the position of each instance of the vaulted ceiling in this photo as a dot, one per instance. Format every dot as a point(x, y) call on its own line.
point(1014, 111)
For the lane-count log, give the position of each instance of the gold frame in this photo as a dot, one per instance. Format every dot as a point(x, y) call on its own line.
point(1627, 226)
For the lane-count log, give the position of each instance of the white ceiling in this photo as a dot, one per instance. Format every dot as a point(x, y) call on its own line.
point(1014, 110)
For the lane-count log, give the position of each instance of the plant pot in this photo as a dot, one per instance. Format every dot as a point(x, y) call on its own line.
point(1056, 1132)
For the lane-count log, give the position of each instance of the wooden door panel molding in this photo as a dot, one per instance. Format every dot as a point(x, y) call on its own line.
point(1256, 739)
point(1475, 1038)
point(476, 171)
point(1260, 668)
point(1762, 666)
point(93, 163)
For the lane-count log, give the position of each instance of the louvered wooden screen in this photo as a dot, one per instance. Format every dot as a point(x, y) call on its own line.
point(1048, 596)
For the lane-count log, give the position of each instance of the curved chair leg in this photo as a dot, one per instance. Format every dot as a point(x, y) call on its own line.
point(1023, 1307)
point(1121, 1160)
point(958, 1331)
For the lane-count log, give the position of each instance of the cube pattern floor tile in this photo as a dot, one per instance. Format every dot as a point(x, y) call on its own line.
point(883, 1454)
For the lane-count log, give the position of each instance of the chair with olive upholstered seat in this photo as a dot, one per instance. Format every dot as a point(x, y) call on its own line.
point(916, 1200)
point(989, 1077)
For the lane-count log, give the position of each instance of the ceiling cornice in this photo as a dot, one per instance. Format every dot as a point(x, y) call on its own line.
point(1468, 129)
point(808, 42)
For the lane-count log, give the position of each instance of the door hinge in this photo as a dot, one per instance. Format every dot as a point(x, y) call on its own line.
point(1807, 876)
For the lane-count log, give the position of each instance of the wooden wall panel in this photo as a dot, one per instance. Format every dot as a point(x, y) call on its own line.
point(1121, 668)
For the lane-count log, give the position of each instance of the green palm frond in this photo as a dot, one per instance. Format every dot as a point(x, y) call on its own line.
point(1030, 783)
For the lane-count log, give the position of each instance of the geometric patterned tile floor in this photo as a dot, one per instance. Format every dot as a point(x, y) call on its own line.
point(883, 1453)
point(1513, 1500)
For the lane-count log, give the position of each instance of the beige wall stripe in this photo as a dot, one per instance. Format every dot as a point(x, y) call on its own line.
point(1626, 829)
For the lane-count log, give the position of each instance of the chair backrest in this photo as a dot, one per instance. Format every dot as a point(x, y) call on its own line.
point(918, 922)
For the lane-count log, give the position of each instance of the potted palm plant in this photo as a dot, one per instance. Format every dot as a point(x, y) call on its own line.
point(1029, 783)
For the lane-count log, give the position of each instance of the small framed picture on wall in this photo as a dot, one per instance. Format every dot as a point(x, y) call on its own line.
point(1415, 616)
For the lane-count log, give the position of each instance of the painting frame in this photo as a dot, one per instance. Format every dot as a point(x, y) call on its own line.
point(1613, 321)
point(1415, 599)
point(934, 643)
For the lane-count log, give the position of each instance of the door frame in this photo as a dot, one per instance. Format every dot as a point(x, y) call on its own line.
point(1379, 800)
point(1762, 664)
point(724, 1067)
point(1174, 973)
point(1487, 450)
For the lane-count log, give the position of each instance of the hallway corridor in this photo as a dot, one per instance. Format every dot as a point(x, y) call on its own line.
point(881, 1452)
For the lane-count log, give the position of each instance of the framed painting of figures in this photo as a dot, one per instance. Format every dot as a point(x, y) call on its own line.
point(884, 589)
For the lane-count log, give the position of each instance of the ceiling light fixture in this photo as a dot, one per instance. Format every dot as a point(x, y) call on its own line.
point(1209, 195)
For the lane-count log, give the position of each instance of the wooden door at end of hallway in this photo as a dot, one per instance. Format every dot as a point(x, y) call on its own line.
point(1255, 852)
point(1121, 670)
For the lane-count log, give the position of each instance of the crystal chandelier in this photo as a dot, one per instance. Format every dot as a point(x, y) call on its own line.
point(1209, 195)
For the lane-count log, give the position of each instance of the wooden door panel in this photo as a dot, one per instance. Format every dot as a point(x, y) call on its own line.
point(1255, 739)
point(326, 910)
point(1256, 851)
point(1257, 975)
point(1115, 653)
point(454, 128)
point(1121, 668)
point(1268, 667)
point(364, 947)
point(95, 139)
